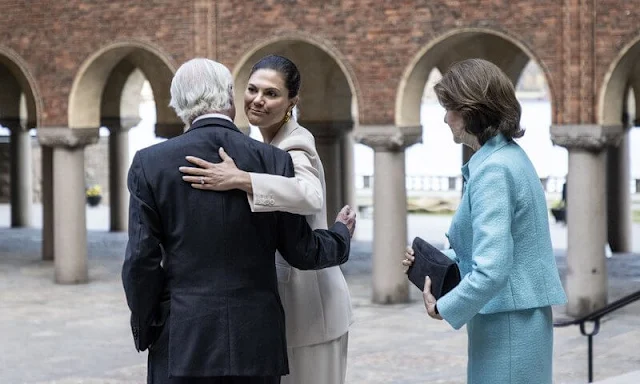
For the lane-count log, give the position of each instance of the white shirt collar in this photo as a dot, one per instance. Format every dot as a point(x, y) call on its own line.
point(210, 115)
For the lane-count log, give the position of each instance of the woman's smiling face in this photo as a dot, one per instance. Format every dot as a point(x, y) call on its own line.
point(266, 99)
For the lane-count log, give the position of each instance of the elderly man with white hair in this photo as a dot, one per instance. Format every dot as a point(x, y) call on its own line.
point(199, 272)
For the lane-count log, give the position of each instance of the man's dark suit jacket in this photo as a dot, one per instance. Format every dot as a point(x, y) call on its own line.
point(208, 258)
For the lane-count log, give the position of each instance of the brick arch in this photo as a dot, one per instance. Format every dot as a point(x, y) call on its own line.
point(303, 50)
point(108, 65)
point(623, 72)
point(507, 52)
point(17, 79)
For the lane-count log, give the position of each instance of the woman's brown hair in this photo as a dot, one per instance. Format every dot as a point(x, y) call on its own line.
point(485, 98)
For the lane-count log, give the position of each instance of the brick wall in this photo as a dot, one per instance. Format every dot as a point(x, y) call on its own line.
point(375, 40)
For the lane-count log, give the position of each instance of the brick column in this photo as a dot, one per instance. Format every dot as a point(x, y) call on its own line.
point(21, 175)
point(390, 284)
point(69, 200)
point(586, 280)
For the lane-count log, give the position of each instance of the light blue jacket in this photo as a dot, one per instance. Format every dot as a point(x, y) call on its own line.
point(500, 238)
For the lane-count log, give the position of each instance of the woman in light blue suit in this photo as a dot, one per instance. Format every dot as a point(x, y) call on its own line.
point(499, 235)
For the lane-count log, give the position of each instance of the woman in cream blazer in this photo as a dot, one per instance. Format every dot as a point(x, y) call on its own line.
point(317, 304)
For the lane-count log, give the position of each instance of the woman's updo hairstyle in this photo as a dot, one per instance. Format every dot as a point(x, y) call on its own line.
point(283, 66)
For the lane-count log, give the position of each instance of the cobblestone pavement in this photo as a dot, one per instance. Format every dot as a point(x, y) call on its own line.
point(70, 334)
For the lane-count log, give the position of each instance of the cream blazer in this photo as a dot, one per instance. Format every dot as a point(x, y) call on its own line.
point(317, 304)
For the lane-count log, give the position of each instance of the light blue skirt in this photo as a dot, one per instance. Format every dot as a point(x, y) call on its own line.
point(511, 347)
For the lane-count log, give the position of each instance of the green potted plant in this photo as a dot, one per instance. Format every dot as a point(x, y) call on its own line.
point(94, 195)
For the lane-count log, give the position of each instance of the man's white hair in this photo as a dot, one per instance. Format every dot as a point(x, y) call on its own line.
point(201, 86)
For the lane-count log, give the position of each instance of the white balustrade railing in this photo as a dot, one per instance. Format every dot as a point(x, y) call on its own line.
point(430, 183)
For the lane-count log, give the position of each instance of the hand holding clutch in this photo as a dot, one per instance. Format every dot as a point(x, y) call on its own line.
point(429, 261)
point(430, 303)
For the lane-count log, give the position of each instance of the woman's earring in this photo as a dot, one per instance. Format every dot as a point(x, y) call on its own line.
point(287, 116)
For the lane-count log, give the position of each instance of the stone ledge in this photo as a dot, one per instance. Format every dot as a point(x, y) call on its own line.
point(388, 137)
point(68, 137)
point(590, 137)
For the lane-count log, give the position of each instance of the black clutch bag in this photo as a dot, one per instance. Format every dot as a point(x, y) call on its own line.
point(443, 272)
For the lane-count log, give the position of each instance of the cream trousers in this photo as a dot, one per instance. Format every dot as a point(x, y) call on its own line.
point(324, 363)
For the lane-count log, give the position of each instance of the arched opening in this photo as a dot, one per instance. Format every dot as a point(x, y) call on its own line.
point(618, 107)
point(124, 89)
point(139, 95)
point(18, 115)
point(103, 76)
point(18, 99)
point(327, 108)
point(433, 167)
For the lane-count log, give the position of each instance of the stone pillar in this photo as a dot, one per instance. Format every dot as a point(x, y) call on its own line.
point(118, 168)
point(586, 280)
point(329, 136)
point(69, 200)
point(328, 146)
point(47, 203)
point(390, 284)
point(348, 170)
point(21, 176)
point(619, 196)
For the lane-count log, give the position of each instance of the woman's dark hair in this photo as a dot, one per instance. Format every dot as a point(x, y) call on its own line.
point(485, 98)
point(283, 66)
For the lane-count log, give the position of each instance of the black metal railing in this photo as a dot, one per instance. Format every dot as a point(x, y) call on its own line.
point(594, 317)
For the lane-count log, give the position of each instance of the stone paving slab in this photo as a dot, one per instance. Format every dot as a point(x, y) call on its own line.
point(627, 378)
point(72, 334)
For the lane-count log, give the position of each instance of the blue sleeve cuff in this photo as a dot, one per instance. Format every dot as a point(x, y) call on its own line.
point(448, 313)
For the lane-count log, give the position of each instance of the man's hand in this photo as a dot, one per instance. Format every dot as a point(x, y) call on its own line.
point(347, 216)
point(409, 259)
